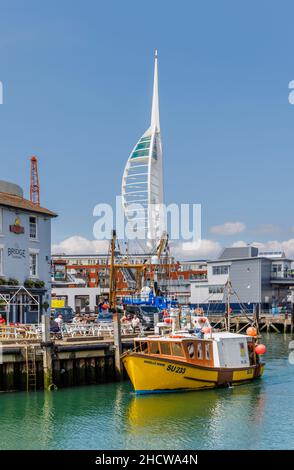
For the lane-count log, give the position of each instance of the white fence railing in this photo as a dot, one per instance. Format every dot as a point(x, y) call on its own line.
point(68, 330)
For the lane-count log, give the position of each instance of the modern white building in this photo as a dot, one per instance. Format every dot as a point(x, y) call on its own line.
point(25, 256)
point(263, 279)
point(142, 182)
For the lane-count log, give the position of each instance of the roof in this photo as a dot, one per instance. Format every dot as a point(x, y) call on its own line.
point(252, 258)
point(18, 202)
point(184, 336)
point(239, 252)
point(227, 334)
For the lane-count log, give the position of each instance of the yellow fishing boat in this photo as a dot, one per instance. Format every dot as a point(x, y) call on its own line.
point(185, 361)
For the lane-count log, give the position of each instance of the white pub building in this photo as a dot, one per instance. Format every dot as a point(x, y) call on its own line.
point(25, 256)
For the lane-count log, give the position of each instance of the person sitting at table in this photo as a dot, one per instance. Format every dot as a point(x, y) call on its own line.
point(2, 320)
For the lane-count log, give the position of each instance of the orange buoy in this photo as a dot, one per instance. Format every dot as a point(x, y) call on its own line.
point(260, 349)
point(251, 331)
point(168, 320)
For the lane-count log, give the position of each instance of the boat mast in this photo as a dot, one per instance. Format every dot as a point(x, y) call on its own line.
point(228, 287)
point(112, 274)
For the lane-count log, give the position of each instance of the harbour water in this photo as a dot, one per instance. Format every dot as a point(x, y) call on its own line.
point(259, 415)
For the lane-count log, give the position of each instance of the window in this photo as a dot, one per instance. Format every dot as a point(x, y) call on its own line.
point(34, 303)
point(217, 270)
point(199, 351)
point(191, 350)
point(3, 304)
point(144, 346)
point(33, 264)
point(1, 261)
point(177, 349)
point(215, 289)
point(165, 348)
point(207, 351)
point(242, 350)
point(154, 349)
point(33, 228)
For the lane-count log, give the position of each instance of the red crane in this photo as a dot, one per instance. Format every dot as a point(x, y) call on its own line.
point(35, 187)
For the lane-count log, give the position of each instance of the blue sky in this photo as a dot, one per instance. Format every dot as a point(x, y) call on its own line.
point(77, 80)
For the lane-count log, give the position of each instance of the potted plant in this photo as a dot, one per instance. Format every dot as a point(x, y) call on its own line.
point(39, 284)
point(3, 281)
point(29, 283)
point(12, 282)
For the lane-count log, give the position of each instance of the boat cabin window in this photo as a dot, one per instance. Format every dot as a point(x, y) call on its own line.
point(242, 350)
point(207, 351)
point(191, 350)
point(144, 346)
point(199, 350)
point(154, 347)
point(137, 346)
point(165, 348)
point(177, 349)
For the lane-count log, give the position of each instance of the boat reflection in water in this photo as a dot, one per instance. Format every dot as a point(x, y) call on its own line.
point(209, 416)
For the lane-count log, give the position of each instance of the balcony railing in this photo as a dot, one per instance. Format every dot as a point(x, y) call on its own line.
point(282, 275)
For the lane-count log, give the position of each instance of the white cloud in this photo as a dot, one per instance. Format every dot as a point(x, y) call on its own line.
point(239, 243)
point(228, 228)
point(205, 249)
point(80, 245)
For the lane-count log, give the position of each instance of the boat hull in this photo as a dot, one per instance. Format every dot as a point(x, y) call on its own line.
point(153, 375)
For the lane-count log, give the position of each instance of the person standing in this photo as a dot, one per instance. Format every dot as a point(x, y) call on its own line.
point(59, 321)
point(135, 323)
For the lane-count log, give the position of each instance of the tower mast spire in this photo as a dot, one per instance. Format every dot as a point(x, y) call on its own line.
point(155, 124)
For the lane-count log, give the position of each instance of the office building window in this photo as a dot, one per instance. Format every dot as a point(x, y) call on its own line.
point(1, 261)
point(33, 264)
point(215, 289)
point(217, 270)
point(33, 228)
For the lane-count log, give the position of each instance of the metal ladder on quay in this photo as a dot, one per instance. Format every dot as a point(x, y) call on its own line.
point(31, 368)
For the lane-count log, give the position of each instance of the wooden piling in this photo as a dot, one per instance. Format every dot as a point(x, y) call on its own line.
point(8, 372)
point(117, 345)
point(69, 371)
point(47, 353)
point(81, 371)
point(91, 371)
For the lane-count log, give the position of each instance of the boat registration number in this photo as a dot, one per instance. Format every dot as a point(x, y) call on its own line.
point(176, 369)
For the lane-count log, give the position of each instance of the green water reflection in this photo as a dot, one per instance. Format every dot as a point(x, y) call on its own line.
point(253, 416)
